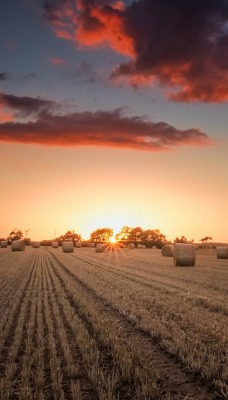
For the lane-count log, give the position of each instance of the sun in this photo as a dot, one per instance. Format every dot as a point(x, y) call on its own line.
point(112, 239)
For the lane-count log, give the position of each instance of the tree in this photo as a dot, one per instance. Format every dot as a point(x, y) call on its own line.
point(153, 237)
point(205, 240)
point(70, 236)
point(124, 233)
point(136, 234)
point(183, 240)
point(101, 235)
point(161, 240)
point(15, 234)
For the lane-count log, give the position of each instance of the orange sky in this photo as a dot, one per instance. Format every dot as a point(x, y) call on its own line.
point(47, 189)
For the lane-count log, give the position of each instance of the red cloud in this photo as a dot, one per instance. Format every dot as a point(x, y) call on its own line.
point(102, 128)
point(95, 26)
point(5, 116)
point(58, 61)
point(91, 23)
point(183, 45)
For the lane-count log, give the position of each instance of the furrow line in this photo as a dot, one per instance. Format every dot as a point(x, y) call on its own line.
point(9, 319)
point(96, 357)
point(14, 342)
point(23, 387)
point(133, 362)
point(75, 377)
point(193, 296)
point(134, 325)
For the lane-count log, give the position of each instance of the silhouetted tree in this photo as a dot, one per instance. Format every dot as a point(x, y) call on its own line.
point(183, 239)
point(124, 233)
point(153, 237)
point(70, 236)
point(101, 235)
point(136, 234)
point(15, 234)
point(205, 240)
point(27, 241)
point(161, 240)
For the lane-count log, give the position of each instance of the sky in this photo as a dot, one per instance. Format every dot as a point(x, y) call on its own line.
point(114, 113)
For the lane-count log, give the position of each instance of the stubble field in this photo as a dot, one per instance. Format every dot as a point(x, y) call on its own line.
point(124, 324)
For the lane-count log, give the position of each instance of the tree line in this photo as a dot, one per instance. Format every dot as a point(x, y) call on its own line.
point(148, 237)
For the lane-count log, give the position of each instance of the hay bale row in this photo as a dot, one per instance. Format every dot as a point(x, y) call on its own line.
point(68, 247)
point(184, 255)
point(222, 252)
point(141, 246)
point(4, 244)
point(131, 246)
point(167, 250)
point(78, 244)
point(55, 245)
point(18, 245)
point(91, 245)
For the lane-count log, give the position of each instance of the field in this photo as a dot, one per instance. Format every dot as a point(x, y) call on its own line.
point(124, 324)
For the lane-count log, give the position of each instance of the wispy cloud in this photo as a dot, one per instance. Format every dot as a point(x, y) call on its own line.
point(24, 105)
point(29, 76)
point(182, 45)
point(59, 62)
point(4, 76)
point(115, 128)
point(84, 73)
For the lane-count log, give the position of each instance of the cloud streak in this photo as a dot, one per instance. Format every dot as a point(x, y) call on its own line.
point(57, 61)
point(24, 105)
point(4, 76)
point(180, 44)
point(114, 129)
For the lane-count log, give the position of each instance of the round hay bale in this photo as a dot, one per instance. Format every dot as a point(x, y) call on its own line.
point(36, 245)
point(131, 246)
point(100, 248)
point(140, 246)
point(4, 243)
point(92, 245)
point(18, 245)
point(167, 250)
point(184, 255)
point(222, 252)
point(55, 245)
point(78, 244)
point(68, 247)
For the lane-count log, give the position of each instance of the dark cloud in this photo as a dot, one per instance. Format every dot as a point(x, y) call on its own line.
point(51, 8)
point(85, 73)
point(113, 129)
point(4, 76)
point(29, 76)
point(181, 44)
point(26, 106)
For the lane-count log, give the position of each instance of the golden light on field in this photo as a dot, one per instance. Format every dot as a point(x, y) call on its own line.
point(117, 276)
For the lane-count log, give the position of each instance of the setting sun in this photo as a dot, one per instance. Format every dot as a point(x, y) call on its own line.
point(112, 239)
